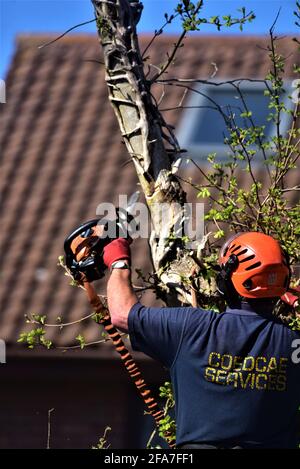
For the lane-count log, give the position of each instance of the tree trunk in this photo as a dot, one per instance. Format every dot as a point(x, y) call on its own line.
point(144, 132)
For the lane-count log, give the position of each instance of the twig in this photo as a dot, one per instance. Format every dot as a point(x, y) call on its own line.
point(271, 30)
point(171, 81)
point(290, 189)
point(96, 342)
point(253, 126)
point(171, 57)
point(61, 325)
point(193, 289)
point(99, 62)
point(64, 34)
point(158, 33)
point(151, 438)
point(49, 428)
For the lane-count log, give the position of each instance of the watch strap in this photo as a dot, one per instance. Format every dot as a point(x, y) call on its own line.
point(121, 264)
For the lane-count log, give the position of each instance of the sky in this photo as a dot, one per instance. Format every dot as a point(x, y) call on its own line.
point(56, 16)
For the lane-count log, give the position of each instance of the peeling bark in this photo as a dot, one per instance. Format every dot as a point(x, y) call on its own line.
point(144, 131)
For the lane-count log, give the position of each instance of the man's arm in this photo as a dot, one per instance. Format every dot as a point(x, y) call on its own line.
point(120, 294)
point(120, 297)
point(157, 332)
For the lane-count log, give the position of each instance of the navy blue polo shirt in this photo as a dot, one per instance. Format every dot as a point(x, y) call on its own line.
point(233, 375)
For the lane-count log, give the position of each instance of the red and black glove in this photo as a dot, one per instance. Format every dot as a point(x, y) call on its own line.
point(116, 250)
point(290, 299)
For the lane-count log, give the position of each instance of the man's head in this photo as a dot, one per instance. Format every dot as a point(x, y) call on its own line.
point(253, 266)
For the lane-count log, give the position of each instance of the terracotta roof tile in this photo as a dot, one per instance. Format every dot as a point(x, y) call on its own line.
point(62, 155)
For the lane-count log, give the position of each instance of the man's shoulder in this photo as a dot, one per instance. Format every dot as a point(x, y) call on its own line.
point(199, 316)
point(173, 314)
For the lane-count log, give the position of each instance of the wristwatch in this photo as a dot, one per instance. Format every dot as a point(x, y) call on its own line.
point(120, 265)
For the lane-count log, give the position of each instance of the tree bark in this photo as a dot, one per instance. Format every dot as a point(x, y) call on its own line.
point(145, 132)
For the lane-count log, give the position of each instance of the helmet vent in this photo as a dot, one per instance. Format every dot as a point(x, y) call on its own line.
point(249, 258)
point(248, 284)
point(225, 252)
point(253, 266)
point(243, 251)
point(235, 248)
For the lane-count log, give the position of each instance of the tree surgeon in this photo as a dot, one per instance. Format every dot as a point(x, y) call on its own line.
point(234, 380)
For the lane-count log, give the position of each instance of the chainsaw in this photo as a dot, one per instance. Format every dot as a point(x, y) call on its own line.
point(84, 260)
point(84, 246)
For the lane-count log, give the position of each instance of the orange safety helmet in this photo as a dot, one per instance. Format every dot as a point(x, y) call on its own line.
point(255, 264)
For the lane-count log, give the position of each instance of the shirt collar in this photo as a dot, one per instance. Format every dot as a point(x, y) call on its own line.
point(262, 308)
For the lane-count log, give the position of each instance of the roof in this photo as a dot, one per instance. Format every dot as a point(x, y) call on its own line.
point(62, 155)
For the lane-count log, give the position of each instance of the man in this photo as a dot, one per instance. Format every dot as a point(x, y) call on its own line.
point(234, 380)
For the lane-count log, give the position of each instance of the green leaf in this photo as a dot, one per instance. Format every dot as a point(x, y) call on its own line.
point(203, 193)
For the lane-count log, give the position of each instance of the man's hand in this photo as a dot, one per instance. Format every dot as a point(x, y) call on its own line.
point(116, 250)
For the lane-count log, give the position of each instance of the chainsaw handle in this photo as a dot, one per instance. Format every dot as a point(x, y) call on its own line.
point(92, 265)
point(82, 228)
